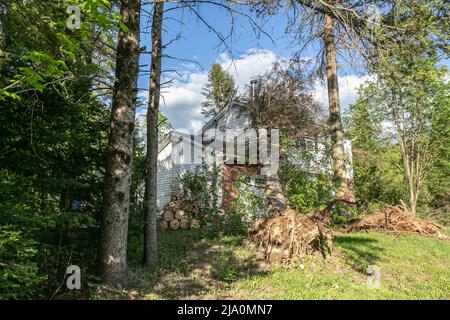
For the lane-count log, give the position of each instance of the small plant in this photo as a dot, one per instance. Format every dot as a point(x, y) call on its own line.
point(225, 269)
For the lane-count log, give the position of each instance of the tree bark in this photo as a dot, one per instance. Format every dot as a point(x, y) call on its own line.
point(337, 134)
point(412, 168)
point(274, 196)
point(113, 249)
point(151, 209)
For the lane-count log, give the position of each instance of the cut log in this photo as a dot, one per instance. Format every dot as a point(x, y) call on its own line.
point(168, 215)
point(174, 224)
point(163, 224)
point(184, 224)
point(174, 204)
point(195, 224)
point(179, 214)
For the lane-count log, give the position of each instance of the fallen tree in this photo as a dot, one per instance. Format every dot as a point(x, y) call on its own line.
point(286, 235)
point(395, 220)
point(283, 238)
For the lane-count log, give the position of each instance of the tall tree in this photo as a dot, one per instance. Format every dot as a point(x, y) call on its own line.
point(113, 250)
point(335, 123)
point(279, 99)
point(54, 136)
point(362, 33)
point(415, 107)
point(151, 208)
point(218, 91)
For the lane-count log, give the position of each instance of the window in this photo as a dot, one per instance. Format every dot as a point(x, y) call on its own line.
point(305, 144)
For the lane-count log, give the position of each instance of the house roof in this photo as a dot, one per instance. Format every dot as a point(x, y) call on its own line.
point(208, 125)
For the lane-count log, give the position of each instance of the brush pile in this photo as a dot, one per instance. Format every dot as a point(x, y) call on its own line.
point(394, 219)
point(285, 237)
point(178, 215)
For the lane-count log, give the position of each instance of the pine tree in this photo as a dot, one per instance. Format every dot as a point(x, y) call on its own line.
point(218, 91)
point(113, 251)
point(151, 208)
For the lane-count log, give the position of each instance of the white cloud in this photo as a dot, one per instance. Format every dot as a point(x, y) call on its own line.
point(181, 103)
point(348, 90)
point(251, 64)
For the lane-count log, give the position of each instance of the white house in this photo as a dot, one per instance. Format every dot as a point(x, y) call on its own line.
point(179, 152)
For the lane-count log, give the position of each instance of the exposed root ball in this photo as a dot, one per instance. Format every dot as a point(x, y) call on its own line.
point(394, 219)
point(282, 238)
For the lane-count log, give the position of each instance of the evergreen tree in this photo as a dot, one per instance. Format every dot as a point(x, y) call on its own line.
point(218, 91)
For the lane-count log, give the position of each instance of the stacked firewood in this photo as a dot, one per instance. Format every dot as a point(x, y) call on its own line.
point(175, 215)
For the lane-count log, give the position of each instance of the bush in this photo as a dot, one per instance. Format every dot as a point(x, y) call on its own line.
point(305, 192)
point(200, 188)
point(19, 277)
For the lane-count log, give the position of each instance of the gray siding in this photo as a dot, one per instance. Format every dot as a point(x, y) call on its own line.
point(168, 177)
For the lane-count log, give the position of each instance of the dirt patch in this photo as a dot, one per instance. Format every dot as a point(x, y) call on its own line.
point(210, 267)
point(394, 219)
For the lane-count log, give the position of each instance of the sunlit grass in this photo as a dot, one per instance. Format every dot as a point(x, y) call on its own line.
point(209, 266)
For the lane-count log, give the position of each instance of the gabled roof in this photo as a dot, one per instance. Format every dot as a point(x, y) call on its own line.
point(175, 134)
point(210, 123)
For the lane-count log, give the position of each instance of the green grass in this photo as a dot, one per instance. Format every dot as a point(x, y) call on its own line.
point(207, 266)
point(412, 267)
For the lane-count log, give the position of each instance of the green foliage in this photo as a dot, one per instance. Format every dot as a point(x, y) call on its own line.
point(46, 51)
point(305, 191)
point(225, 269)
point(306, 180)
point(19, 276)
point(218, 91)
point(378, 179)
point(199, 188)
point(249, 199)
point(408, 105)
point(53, 146)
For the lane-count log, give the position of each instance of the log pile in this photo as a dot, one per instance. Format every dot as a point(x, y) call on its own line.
point(175, 215)
point(394, 219)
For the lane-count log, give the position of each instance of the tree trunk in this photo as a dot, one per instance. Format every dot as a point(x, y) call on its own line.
point(150, 218)
point(274, 197)
point(113, 249)
point(337, 135)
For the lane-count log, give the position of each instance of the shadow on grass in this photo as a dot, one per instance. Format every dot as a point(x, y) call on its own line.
point(192, 262)
point(359, 252)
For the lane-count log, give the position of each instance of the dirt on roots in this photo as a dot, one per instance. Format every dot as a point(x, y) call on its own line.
point(283, 238)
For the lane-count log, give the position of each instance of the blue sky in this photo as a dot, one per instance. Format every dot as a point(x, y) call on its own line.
point(250, 55)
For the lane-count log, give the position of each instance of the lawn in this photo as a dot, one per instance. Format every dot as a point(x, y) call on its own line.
point(199, 265)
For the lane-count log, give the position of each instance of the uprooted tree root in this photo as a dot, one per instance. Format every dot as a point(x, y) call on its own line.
point(284, 237)
point(395, 220)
